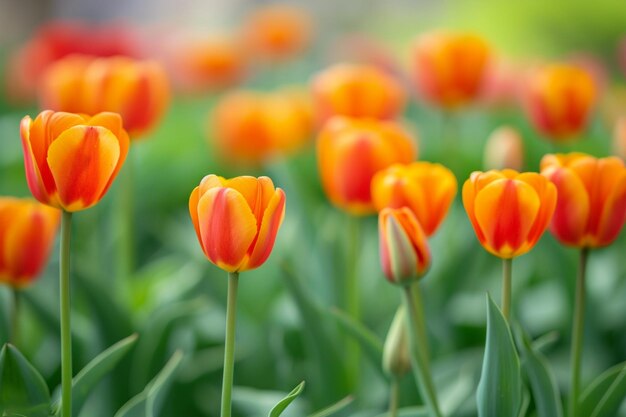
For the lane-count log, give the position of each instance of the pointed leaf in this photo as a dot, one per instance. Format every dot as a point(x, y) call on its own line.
point(499, 391)
point(605, 394)
point(284, 403)
point(334, 408)
point(23, 391)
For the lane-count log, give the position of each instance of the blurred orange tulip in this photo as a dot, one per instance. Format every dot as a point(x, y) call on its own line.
point(509, 210)
point(504, 149)
point(27, 232)
point(450, 68)
point(70, 159)
point(237, 220)
point(404, 251)
point(250, 126)
point(278, 31)
point(357, 91)
point(137, 90)
point(427, 189)
point(63, 86)
point(559, 100)
point(351, 151)
point(591, 206)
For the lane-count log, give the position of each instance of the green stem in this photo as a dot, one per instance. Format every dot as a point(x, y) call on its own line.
point(66, 332)
point(351, 294)
point(126, 248)
point(229, 349)
point(577, 332)
point(422, 335)
point(15, 314)
point(506, 288)
point(394, 397)
point(420, 369)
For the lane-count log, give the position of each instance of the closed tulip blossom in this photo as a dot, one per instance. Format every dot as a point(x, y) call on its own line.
point(71, 160)
point(504, 149)
point(426, 188)
point(27, 233)
point(62, 86)
point(591, 204)
point(357, 91)
point(450, 68)
point(351, 151)
point(559, 99)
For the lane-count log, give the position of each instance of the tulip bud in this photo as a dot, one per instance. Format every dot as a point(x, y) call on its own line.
point(396, 356)
point(404, 251)
point(504, 149)
point(619, 138)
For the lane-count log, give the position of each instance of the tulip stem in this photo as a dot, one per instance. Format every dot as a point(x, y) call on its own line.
point(421, 371)
point(394, 397)
point(351, 294)
point(229, 349)
point(66, 332)
point(15, 313)
point(577, 332)
point(125, 254)
point(507, 265)
point(422, 336)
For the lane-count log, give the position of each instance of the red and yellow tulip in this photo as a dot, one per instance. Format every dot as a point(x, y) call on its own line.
point(509, 210)
point(351, 151)
point(450, 68)
point(404, 251)
point(236, 220)
point(71, 160)
point(559, 100)
point(62, 86)
point(27, 232)
point(357, 91)
point(427, 189)
point(591, 204)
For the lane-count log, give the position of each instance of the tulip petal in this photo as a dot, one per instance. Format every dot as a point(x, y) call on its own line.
point(194, 199)
point(227, 227)
point(548, 197)
point(256, 191)
point(272, 219)
point(613, 214)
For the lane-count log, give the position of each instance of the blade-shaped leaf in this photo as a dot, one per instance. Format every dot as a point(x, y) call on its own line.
point(23, 391)
point(284, 403)
point(409, 412)
point(148, 402)
point(334, 408)
point(605, 394)
point(542, 381)
point(499, 391)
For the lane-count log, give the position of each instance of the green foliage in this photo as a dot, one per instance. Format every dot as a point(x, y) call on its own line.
point(605, 394)
point(278, 409)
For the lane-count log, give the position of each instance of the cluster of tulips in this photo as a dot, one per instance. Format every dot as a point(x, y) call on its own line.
point(95, 108)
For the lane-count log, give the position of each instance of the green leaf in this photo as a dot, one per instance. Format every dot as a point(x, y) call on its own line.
point(284, 403)
point(605, 394)
point(541, 379)
point(148, 403)
point(84, 382)
point(334, 408)
point(23, 391)
point(499, 391)
point(419, 411)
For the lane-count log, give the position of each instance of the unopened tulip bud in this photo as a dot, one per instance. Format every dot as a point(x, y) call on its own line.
point(396, 356)
point(504, 149)
point(619, 138)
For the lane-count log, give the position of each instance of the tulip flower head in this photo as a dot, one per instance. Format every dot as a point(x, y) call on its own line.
point(357, 91)
point(559, 100)
point(450, 68)
point(27, 232)
point(62, 86)
point(404, 251)
point(237, 220)
point(509, 210)
point(351, 151)
point(427, 189)
point(504, 149)
point(71, 160)
point(591, 205)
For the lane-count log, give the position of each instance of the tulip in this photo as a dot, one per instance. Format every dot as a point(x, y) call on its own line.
point(591, 206)
point(450, 68)
point(427, 189)
point(559, 100)
point(62, 86)
point(396, 357)
point(351, 151)
point(27, 232)
point(504, 149)
point(71, 160)
point(357, 91)
point(137, 90)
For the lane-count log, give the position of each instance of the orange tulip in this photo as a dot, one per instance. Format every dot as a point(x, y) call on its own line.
point(404, 251)
point(70, 159)
point(426, 188)
point(250, 126)
point(591, 208)
point(509, 210)
point(237, 220)
point(504, 149)
point(559, 100)
point(137, 90)
point(450, 68)
point(27, 231)
point(351, 151)
point(357, 91)
point(62, 86)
